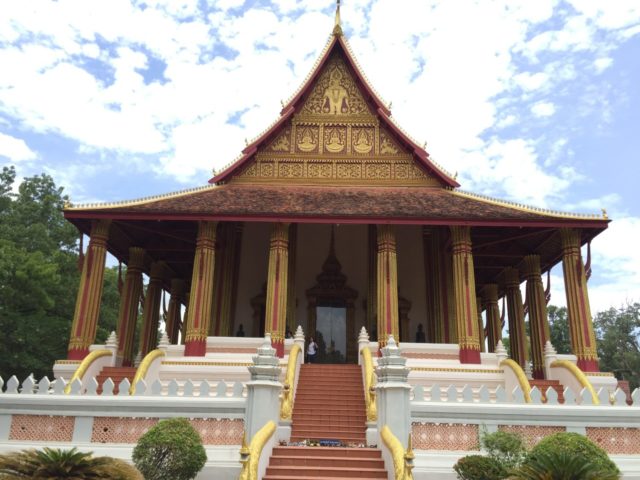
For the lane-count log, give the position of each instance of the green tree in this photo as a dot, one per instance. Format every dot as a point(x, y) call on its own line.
point(559, 329)
point(38, 276)
point(618, 332)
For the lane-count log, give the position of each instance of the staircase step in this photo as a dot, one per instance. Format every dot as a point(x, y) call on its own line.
point(329, 472)
point(283, 460)
point(328, 452)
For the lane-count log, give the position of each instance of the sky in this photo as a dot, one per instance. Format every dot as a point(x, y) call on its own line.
point(536, 102)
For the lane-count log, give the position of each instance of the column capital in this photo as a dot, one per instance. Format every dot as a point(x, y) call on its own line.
point(490, 293)
point(158, 271)
point(100, 231)
point(136, 259)
point(511, 277)
point(570, 240)
point(206, 235)
point(461, 238)
point(532, 267)
point(178, 287)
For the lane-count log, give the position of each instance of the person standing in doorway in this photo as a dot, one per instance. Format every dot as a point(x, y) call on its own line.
point(312, 351)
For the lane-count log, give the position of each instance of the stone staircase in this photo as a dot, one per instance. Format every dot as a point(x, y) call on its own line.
point(116, 374)
point(329, 405)
point(543, 386)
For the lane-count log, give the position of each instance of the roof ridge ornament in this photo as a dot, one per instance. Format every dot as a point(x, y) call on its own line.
point(337, 29)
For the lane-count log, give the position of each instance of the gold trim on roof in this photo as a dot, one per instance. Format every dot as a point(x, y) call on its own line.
point(526, 208)
point(138, 201)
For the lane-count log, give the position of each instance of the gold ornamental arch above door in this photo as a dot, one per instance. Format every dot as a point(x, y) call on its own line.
point(332, 294)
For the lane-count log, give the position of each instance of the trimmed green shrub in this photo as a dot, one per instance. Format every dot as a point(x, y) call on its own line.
point(506, 448)
point(575, 446)
point(479, 467)
point(171, 450)
point(560, 465)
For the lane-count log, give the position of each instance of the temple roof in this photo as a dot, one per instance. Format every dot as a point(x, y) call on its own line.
point(418, 205)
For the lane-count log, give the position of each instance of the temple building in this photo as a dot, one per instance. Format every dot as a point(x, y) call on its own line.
point(332, 225)
point(334, 219)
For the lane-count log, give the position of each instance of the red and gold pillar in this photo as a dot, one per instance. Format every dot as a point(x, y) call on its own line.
point(465, 295)
point(387, 296)
point(129, 299)
point(494, 326)
point(481, 338)
point(276, 302)
point(515, 311)
point(151, 310)
point(372, 283)
point(225, 278)
point(85, 317)
point(583, 340)
point(538, 319)
point(173, 311)
point(201, 294)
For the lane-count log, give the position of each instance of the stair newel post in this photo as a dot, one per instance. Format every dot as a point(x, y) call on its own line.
point(298, 339)
point(363, 342)
point(393, 390)
point(263, 397)
point(112, 345)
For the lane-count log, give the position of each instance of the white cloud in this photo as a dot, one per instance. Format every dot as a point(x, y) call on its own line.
point(602, 63)
point(543, 109)
point(15, 149)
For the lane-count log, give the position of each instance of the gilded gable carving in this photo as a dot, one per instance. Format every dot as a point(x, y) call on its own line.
point(282, 143)
point(335, 93)
point(387, 145)
point(307, 139)
point(362, 140)
point(335, 139)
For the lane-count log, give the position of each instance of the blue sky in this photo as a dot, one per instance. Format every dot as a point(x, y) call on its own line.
point(532, 101)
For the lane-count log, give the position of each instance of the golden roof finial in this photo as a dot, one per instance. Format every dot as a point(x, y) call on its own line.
point(337, 29)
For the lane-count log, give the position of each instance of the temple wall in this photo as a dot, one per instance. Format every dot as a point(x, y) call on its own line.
point(411, 275)
point(351, 251)
point(254, 259)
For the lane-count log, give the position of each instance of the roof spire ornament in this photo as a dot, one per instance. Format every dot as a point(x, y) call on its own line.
point(337, 29)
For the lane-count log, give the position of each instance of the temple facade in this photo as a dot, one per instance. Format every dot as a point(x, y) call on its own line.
point(334, 219)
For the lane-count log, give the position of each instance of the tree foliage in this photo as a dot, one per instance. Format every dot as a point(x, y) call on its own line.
point(38, 276)
point(618, 331)
point(559, 329)
point(479, 467)
point(572, 445)
point(560, 465)
point(171, 450)
point(50, 463)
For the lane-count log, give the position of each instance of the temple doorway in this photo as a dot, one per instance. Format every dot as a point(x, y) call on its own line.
point(331, 312)
point(331, 331)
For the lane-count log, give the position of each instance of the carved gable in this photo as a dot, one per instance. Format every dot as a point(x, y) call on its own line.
point(334, 137)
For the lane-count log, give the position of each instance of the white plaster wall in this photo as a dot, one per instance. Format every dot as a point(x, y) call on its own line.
point(411, 276)
point(254, 260)
point(312, 250)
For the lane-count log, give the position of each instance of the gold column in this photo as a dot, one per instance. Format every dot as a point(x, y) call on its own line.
point(494, 326)
point(173, 311)
point(583, 340)
point(151, 311)
point(481, 337)
point(201, 294)
point(387, 285)
point(437, 318)
point(450, 322)
point(85, 317)
point(276, 302)
point(225, 278)
point(291, 278)
point(465, 295)
point(515, 311)
point(372, 289)
point(538, 319)
point(129, 299)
